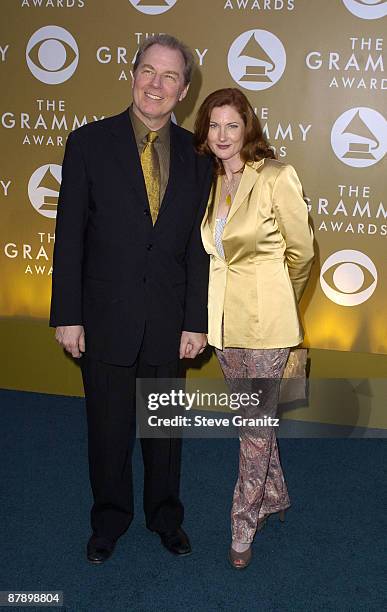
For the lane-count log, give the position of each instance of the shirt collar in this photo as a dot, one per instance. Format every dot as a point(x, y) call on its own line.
point(141, 130)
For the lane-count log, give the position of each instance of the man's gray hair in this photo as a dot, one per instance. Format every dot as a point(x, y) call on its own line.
point(166, 40)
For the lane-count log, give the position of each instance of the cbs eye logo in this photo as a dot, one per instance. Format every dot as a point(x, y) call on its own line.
point(367, 9)
point(353, 275)
point(52, 55)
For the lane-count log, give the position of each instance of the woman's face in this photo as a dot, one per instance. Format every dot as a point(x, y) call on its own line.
point(226, 133)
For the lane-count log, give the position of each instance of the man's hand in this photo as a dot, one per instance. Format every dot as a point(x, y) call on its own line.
point(192, 344)
point(72, 338)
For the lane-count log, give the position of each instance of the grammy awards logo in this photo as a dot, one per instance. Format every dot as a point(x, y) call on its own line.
point(359, 137)
point(256, 59)
point(153, 7)
point(52, 55)
point(43, 189)
point(367, 9)
point(352, 277)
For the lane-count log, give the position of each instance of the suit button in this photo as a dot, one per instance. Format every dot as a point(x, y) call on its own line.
point(144, 279)
point(149, 247)
point(146, 212)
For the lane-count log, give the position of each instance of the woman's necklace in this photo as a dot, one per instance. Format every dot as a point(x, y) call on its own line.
point(230, 185)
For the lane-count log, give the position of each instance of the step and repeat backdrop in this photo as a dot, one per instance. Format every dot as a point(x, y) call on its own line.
point(314, 70)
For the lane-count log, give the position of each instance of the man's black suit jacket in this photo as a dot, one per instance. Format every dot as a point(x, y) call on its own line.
point(125, 280)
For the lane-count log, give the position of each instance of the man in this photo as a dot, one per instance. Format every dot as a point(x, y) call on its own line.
point(130, 284)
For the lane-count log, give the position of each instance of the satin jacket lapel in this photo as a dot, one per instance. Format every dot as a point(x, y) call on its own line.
point(126, 152)
point(177, 167)
point(213, 204)
point(249, 178)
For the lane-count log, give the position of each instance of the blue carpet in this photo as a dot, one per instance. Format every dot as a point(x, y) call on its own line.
point(329, 555)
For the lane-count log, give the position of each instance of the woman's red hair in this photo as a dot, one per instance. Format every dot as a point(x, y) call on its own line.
point(255, 146)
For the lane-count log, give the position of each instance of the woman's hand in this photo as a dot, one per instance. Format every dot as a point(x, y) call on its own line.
point(192, 344)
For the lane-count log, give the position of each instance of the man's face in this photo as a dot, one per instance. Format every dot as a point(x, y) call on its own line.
point(158, 85)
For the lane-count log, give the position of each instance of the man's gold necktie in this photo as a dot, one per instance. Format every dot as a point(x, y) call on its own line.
point(151, 170)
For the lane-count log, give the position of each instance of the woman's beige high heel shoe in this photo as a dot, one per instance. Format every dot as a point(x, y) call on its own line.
point(281, 516)
point(262, 522)
point(240, 560)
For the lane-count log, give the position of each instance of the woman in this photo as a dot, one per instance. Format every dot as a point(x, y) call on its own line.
point(256, 232)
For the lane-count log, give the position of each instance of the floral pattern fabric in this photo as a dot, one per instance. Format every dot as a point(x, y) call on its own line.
point(260, 488)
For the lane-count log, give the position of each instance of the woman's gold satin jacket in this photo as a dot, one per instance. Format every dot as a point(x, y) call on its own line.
point(268, 248)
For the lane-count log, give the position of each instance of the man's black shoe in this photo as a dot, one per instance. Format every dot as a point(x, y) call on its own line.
point(176, 541)
point(99, 549)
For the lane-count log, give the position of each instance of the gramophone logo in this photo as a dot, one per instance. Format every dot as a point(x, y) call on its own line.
point(52, 55)
point(367, 9)
point(43, 189)
point(256, 59)
point(352, 277)
point(359, 137)
point(153, 7)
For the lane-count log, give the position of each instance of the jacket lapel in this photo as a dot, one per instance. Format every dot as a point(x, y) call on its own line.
point(126, 152)
point(249, 178)
point(213, 203)
point(177, 169)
